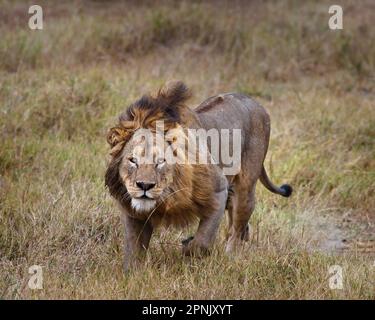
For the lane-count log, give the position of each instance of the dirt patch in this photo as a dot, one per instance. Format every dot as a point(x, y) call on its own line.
point(336, 234)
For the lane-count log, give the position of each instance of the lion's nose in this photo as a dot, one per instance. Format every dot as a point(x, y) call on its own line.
point(145, 185)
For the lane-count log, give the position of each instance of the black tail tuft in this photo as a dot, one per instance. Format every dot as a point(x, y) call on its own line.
point(287, 190)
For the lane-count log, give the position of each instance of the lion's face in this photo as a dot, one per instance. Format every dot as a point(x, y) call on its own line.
point(145, 172)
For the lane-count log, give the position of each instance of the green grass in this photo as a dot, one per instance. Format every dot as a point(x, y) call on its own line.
point(63, 87)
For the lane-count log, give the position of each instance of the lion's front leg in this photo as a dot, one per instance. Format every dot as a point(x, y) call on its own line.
point(207, 229)
point(137, 238)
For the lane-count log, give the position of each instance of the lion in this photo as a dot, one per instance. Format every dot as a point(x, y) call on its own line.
point(176, 193)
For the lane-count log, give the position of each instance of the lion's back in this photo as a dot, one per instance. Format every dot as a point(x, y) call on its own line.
point(232, 111)
point(238, 111)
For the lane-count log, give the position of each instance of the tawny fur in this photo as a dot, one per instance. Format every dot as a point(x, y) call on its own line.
point(196, 191)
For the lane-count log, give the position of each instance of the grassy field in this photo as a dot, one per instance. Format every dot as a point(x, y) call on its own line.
point(61, 88)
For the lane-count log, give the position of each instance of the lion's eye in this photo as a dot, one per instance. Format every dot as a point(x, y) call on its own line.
point(133, 160)
point(160, 161)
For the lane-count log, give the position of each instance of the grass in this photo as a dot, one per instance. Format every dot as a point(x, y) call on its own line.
point(61, 88)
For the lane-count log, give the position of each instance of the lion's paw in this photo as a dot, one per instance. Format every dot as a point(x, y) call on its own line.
point(193, 248)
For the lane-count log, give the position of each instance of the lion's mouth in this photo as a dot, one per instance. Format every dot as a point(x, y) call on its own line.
point(145, 197)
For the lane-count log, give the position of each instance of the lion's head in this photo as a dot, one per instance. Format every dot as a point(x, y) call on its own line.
point(144, 169)
point(144, 173)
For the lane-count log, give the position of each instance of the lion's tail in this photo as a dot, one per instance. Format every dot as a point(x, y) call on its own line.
point(285, 190)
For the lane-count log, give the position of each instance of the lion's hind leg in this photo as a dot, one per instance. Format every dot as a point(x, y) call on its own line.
point(240, 210)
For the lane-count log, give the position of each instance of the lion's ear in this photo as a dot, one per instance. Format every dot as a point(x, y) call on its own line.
point(117, 138)
point(116, 135)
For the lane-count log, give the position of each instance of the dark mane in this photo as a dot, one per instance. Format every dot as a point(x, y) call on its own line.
point(165, 105)
point(114, 183)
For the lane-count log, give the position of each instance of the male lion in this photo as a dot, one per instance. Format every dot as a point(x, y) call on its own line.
point(150, 193)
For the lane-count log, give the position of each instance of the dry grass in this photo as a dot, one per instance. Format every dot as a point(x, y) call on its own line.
point(61, 88)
